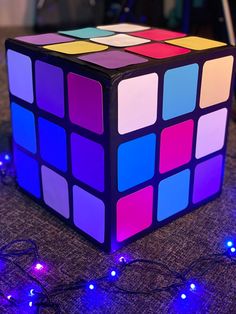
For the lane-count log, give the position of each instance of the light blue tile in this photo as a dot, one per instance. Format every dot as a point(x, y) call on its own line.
point(180, 91)
point(88, 32)
point(173, 194)
point(136, 161)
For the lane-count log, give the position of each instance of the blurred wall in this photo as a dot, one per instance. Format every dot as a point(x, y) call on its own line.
point(17, 12)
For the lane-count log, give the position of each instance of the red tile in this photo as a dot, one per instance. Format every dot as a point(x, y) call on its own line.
point(158, 50)
point(158, 34)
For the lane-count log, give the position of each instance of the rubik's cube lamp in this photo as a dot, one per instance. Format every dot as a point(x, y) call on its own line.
point(119, 129)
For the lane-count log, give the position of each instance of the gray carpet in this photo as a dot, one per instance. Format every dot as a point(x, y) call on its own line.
point(69, 256)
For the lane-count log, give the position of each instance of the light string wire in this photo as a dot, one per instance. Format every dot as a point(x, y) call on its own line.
point(42, 297)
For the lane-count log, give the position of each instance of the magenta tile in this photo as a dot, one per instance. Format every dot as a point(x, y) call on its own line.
point(85, 102)
point(44, 39)
point(113, 59)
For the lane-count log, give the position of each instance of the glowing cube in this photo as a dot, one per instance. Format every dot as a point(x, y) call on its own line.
point(121, 128)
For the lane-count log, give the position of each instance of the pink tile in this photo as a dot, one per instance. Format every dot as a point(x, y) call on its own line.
point(158, 50)
point(134, 213)
point(176, 145)
point(158, 34)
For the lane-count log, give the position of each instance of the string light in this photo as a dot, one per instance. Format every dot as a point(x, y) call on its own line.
point(7, 157)
point(229, 243)
point(113, 273)
point(39, 266)
point(177, 280)
point(122, 260)
point(91, 286)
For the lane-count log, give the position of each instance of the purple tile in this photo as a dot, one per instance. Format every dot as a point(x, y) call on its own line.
point(113, 59)
point(87, 161)
point(207, 178)
point(49, 85)
point(45, 39)
point(89, 213)
point(85, 102)
point(55, 191)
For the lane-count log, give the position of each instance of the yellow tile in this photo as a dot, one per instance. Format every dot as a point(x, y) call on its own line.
point(76, 47)
point(196, 43)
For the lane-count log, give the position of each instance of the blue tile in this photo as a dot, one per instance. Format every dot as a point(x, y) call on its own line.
point(88, 32)
point(173, 194)
point(136, 161)
point(23, 124)
point(52, 140)
point(180, 91)
point(27, 170)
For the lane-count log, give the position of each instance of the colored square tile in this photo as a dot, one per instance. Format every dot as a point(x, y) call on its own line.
point(113, 59)
point(134, 213)
point(123, 27)
point(208, 178)
point(137, 102)
point(180, 91)
point(158, 50)
point(87, 161)
point(44, 39)
point(76, 47)
point(158, 34)
point(136, 161)
point(88, 32)
point(23, 125)
point(49, 86)
point(120, 40)
point(176, 145)
point(216, 81)
point(55, 191)
point(52, 141)
point(20, 75)
point(173, 195)
point(89, 213)
point(85, 98)
point(196, 43)
point(27, 171)
point(211, 132)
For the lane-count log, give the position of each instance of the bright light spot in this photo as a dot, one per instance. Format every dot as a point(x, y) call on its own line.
point(1, 163)
point(38, 266)
point(233, 250)
point(91, 286)
point(229, 243)
point(30, 304)
point(183, 296)
point(122, 259)
point(7, 157)
point(113, 273)
point(193, 286)
point(9, 297)
point(31, 293)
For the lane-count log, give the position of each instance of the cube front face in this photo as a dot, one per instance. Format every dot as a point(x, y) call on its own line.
point(120, 153)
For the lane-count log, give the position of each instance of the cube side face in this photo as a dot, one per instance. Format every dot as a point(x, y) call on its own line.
point(169, 140)
point(60, 133)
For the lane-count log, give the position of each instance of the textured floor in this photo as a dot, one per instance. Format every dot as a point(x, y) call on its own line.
point(70, 256)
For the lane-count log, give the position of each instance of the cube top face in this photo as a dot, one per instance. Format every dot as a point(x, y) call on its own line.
point(119, 46)
point(118, 142)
